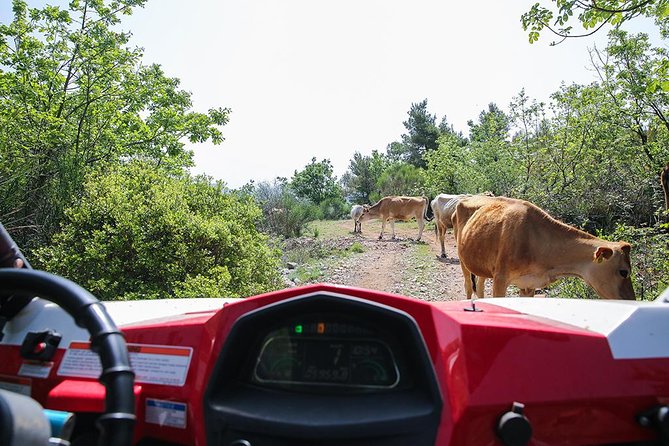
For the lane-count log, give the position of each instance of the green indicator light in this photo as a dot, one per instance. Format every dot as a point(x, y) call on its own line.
point(298, 329)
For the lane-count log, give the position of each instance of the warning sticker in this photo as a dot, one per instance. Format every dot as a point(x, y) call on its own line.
point(152, 364)
point(15, 384)
point(166, 413)
point(36, 369)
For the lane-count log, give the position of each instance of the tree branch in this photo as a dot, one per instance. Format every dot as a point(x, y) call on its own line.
point(616, 11)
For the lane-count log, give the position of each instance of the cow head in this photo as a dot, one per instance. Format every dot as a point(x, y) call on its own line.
point(611, 271)
point(365, 213)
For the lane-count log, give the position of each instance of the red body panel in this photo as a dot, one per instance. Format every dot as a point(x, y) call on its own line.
point(568, 380)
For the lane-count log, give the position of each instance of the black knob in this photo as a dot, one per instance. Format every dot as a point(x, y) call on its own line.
point(657, 418)
point(514, 428)
point(663, 418)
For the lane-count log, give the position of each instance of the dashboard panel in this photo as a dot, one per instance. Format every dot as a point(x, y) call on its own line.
point(323, 366)
point(328, 365)
point(325, 351)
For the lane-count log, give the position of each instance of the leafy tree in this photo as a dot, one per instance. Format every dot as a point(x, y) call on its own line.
point(531, 137)
point(139, 232)
point(402, 179)
point(396, 151)
point(490, 152)
point(334, 208)
point(422, 137)
point(493, 124)
point(483, 163)
point(575, 155)
point(634, 77)
point(591, 15)
point(316, 182)
point(448, 168)
point(588, 171)
point(447, 129)
point(445, 166)
point(73, 95)
point(361, 180)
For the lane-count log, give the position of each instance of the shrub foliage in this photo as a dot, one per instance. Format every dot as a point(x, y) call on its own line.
point(138, 232)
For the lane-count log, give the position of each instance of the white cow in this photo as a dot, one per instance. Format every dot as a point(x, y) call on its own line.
point(443, 207)
point(356, 213)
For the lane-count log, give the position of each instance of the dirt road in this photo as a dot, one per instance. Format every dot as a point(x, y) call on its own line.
point(402, 266)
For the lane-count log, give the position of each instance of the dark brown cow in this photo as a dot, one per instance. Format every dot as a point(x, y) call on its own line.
point(516, 243)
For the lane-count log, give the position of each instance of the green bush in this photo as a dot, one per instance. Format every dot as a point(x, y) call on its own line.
point(571, 288)
point(283, 214)
point(138, 232)
point(296, 216)
point(334, 208)
point(357, 248)
point(650, 258)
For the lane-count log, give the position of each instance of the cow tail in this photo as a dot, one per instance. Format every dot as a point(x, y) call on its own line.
point(427, 214)
point(473, 277)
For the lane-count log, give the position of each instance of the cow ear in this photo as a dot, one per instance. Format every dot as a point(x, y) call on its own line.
point(626, 247)
point(603, 253)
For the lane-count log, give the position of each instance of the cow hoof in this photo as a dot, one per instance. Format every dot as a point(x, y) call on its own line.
point(444, 256)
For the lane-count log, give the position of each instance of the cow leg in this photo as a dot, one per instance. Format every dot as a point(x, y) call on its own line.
point(392, 226)
point(421, 226)
point(469, 286)
point(527, 292)
point(499, 286)
point(442, 235)
point(383, 228)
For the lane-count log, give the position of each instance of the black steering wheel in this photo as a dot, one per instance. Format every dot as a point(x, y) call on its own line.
point(117, 423)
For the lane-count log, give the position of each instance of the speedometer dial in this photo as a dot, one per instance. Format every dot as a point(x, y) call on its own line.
point(325, 360)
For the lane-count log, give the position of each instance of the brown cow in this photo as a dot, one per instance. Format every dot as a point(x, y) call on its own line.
point(398, 208)
point(516, 243)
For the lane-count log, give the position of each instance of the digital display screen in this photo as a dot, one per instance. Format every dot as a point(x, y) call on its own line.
point(326, 354)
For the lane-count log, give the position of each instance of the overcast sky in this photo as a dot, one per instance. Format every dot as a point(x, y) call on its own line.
point(324, 79)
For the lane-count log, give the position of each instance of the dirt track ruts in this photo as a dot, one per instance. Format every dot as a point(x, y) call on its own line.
point(400, 266)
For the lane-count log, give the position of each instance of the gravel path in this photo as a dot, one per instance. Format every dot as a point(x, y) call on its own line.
point(400, 266)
